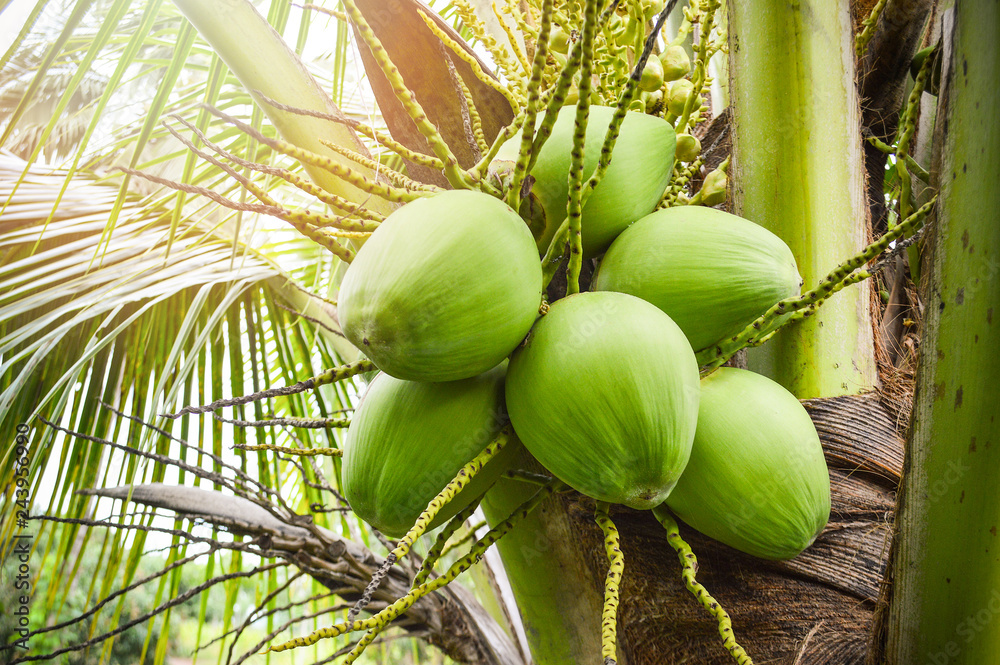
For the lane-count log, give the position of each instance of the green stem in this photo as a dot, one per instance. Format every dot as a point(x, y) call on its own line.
point(791, 70)
point(616, 566)
point(549, 575)
point(574, 207)
point(689, 568)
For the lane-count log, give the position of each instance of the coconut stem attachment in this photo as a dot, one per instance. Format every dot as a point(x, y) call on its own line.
point(616, 566)
point(476, 172)
point(844, 275)
point(388, 614)
point(689, 567)
point(450, 491)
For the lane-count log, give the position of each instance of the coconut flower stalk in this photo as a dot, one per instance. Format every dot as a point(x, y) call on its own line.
point(797, 171)
point(946, 594)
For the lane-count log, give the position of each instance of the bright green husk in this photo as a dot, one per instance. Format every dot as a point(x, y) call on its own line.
point(713, 190)
point(642, 160)
point(652, 76)
point(444, 289)
point(604, 394)
point(712, 272)
point(408, 439)
point(678, 95)
point(676, 62)
point(688, 148)
point(757, 480)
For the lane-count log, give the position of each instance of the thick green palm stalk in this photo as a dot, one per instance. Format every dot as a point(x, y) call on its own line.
point(946, 598)
point(797, 170)
point(559, 606)
point(263, 63)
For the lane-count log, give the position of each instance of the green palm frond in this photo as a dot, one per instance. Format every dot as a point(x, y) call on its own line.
point(120, 298)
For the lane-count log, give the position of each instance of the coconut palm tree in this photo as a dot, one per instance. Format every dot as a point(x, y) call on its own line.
point(156, 265)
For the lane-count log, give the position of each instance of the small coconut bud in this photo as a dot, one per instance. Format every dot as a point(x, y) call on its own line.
point(652, 76)
point(652, 101)
point(559, 41)
point(632, 30)
point(650, 8)
point(688, 148)
point(678, 95)
point(713, 191)
point(676, 63)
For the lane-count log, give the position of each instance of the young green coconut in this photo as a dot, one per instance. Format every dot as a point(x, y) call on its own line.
point(757, 480)
point(408, 439)
point(604, 394)
point(643, 159)
point(712, 272)
point(444, 289)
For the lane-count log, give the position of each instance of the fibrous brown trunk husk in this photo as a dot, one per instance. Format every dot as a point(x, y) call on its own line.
point(813, 610)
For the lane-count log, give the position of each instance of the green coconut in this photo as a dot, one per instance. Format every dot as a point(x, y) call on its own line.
point(604, 394)
point(640, 169)
point(757, 480)
point(444, 289)
point(676, 63)
point(408, 439)
point(712, 272)
point(688, 148)
point(678, 95)
point(652, 76)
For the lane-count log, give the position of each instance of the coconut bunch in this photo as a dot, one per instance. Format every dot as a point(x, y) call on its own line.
point(601, 387)
point(604, 389)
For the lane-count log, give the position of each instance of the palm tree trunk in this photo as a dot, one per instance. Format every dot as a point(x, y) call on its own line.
point(946, 595)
